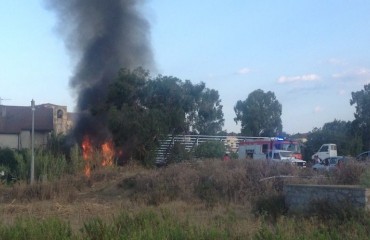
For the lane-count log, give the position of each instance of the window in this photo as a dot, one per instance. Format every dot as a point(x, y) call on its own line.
point(324, 149)
point(60, 113)
point(265, 148)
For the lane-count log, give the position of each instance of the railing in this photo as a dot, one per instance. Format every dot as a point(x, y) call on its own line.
point(191, 141)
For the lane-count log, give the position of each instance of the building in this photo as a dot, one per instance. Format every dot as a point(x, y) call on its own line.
point(16, 125)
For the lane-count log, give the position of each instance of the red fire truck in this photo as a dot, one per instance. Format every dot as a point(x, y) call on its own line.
point(259, 148)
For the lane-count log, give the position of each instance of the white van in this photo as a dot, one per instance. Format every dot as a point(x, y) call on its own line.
point(326, 150)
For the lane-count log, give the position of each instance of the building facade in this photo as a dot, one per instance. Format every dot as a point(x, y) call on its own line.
point(16, 125)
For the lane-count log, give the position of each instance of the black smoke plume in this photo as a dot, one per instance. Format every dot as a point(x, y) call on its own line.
point(102, 37)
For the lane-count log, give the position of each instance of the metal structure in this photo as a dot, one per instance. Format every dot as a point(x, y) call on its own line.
point(191, 141)
point(33, 142)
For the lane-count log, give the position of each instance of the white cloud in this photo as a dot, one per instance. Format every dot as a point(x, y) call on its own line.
point(244, 71)
point(302, 78)
point(318, 109)
point(359, 74)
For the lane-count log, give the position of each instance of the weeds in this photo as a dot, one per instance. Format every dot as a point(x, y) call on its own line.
point(33, 229)
point(207, 199)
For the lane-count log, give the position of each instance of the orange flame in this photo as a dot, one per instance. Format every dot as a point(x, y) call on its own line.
point(87, 153)
point(108, 153)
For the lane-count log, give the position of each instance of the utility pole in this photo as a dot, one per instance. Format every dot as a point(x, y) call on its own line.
point(33, 142)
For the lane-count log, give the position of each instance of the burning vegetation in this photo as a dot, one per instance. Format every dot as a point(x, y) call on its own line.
point(103, 156)
point(103, 36)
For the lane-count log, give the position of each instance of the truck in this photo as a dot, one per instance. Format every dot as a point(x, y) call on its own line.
point(271, 148)
point(283, 156)
point(326, 150)
point(259, 148)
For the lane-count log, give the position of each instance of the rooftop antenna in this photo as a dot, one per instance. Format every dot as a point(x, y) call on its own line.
point(1, 99)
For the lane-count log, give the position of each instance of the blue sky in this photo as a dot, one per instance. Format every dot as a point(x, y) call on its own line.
point(311, 54)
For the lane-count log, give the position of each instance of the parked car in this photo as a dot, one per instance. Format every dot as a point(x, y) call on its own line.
point(329, 164)
point(363, 156)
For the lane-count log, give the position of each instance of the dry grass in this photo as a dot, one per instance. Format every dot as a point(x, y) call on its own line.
point(204, 193)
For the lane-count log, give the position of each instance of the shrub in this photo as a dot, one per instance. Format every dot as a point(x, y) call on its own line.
point(272, 207)
point(350, 173)
point(210, 149)
point(365, 178)
point(8, 160)
point(178, 154)
point(341, 212)
point(49, 166)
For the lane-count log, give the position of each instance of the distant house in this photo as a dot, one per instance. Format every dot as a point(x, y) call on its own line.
point(16, 125)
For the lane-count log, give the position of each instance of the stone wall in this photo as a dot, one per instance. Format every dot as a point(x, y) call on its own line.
point(299, 197)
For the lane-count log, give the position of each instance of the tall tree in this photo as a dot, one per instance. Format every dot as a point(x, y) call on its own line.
point(141, 110)
point(174, 99)
point(259, 114)
point(362, 115)
point(209, 116)
point(126, 113)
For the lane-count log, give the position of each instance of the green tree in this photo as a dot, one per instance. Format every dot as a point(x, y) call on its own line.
point(259, 114)
point(142, 110)
point(126, 113)
point(209, 116)
point(175, 100)
point(361, 100)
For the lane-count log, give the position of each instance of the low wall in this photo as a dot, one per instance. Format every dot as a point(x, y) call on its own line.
point(299, 197)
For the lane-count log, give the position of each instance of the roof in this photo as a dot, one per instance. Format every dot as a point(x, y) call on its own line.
point(14, 119)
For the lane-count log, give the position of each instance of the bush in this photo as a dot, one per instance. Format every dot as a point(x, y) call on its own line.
point(8, 160)
point(271, 207)
point(350, 173)
point(210, 149)
point(178, 154)
point(340, 212)
point(49, 166)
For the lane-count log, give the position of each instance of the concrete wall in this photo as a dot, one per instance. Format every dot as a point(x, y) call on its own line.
point(299, 197)
point(9, 140)
point(25, 139)
point(41, 139)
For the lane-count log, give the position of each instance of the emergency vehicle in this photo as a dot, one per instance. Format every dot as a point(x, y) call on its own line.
point(260, 148)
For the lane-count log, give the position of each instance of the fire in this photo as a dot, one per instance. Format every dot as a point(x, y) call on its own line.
point(87, 153)
point(107, 152)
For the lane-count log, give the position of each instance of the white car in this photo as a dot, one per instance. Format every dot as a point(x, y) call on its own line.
point(286, 157)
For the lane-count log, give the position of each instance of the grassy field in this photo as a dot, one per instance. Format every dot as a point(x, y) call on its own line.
point(207, 199)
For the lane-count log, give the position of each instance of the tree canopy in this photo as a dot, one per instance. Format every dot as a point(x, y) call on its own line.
point(361, 100)
point(259, 114)
point(142, 110)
